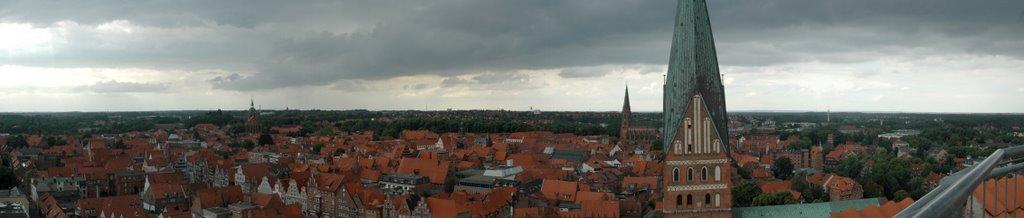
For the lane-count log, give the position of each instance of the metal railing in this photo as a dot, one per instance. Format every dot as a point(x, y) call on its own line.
point(950, 198)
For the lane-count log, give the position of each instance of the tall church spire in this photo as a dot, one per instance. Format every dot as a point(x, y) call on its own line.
point(627, 115)
point(625, 104)
point(693, 69)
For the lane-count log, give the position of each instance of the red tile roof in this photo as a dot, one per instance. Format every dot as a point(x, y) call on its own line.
point(436, 171)
point(219, 197)
point(995, 201)
point(418, 134)
point(599, 209)
point(779, 186)
point(889, 209)
point(582, 196)
point(638, 182)
point(267, 200)
point(556, 189)
point(444, 208)
point(293, 210)
point(532, 212)
point(126, 205)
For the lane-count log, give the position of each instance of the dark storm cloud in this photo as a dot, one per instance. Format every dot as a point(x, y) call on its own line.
point(456, 37)
point(581, 73)
point(114, 86)
point(760, 33)
point(273, 44)
point(454, 81)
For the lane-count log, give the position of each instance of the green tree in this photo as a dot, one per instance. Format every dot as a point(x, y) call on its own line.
point(850, 167)
point(777, 198)
point(782, 168)
point(803, 143)
point(119, 144)
point(887, 144)
point(317, 147)
point(900, 195)
point(872, 189)
point(7, 178)
point(744, 193)
point(265, 139)
point(17, 141)
point(810, 192)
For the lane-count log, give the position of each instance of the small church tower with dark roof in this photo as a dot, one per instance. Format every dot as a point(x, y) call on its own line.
point(252, 124)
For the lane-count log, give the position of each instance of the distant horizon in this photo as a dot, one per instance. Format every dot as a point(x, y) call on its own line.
point(507, 110)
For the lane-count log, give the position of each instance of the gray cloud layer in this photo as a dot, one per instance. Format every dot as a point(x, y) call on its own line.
point(114, 86)
point(274, 44)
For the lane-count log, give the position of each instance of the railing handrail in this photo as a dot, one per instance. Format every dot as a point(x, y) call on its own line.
point(955, 189)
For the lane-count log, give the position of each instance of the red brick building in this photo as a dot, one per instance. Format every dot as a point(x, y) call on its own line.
point(698, 170)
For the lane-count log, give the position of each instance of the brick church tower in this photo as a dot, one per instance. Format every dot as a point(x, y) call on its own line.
point(627, 115)
point(697, 177)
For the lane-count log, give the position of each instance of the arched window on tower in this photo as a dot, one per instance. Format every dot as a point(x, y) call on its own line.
point(689, 199)
point(679, 200)
point(718, 173)
point(704, 174)
point(689, 174)
point(718, 200)
point(675, 174)
point(707, 199)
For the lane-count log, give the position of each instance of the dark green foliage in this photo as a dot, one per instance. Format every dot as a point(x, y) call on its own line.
point(744, 193)
point(810, 192)
point(886, 144)
point(316, 148)
point(55, 141)
point(900, 195)
point(7, 178)
point(884, 177)
point(803, 143)
point(777, 198)
point(17, 141)
point(218, 118)
point(782, 168)
point(850, 167)
point(265, 139)
point(246, 144)
point(119, 144)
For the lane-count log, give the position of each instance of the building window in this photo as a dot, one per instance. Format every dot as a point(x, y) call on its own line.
point(679, 200)
point(689, 174)
point(718, 173)
point(675, 174)
point(678, 146)
point(689, 199)
point(707, 199)
point(704, 174)
point(718, 200)
point(689, 148)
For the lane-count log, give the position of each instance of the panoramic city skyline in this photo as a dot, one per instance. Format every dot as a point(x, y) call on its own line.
point(575, 55)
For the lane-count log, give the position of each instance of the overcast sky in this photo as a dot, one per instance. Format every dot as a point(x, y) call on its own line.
point(806, 55)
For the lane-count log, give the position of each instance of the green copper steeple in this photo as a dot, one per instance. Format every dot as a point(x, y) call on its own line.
point(693, 67)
